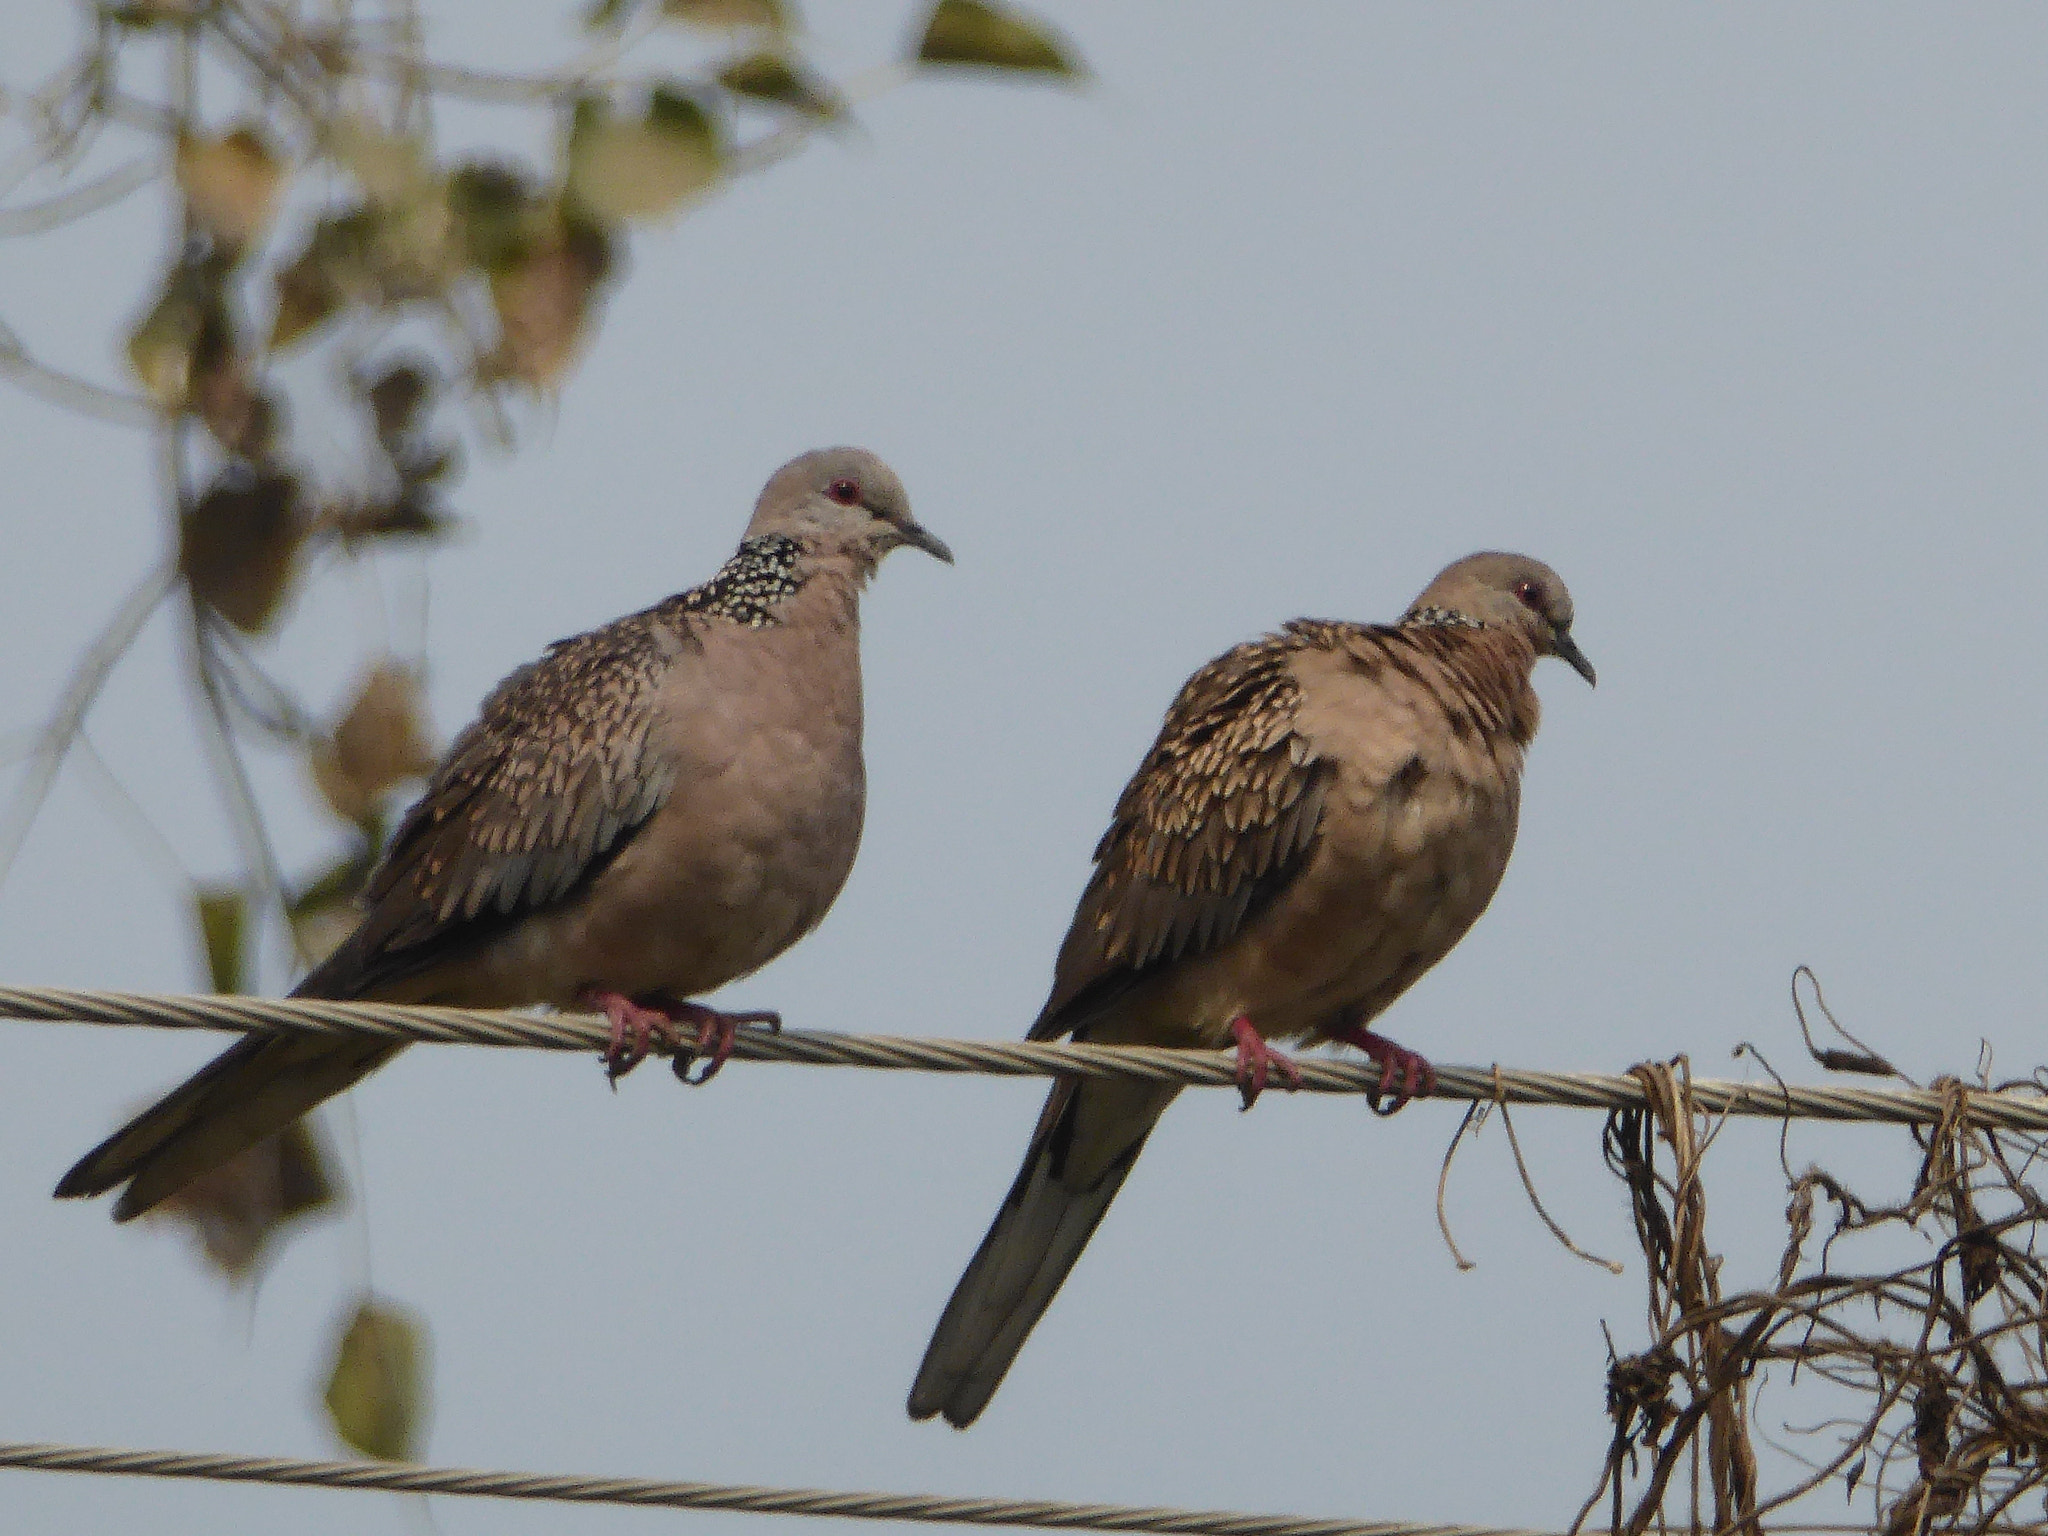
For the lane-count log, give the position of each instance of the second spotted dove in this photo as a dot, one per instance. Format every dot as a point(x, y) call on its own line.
point(1325, 813)
point(651, 810)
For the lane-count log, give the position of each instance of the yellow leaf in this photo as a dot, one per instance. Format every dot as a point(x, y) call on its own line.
point(727, 15)
point(995, 37)
point(622, 168)
point(231, 184)
point(390, 167)
point(376, 1392)
point(380, 741)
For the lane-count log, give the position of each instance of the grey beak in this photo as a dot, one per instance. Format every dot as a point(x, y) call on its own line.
point(917, 536)
point(1566, 649)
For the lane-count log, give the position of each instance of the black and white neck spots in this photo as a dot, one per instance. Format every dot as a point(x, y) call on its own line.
point(1433, 617)
point(749, 585)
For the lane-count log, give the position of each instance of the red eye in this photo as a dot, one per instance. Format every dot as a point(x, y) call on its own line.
point(1531, 594)
point(845, 492)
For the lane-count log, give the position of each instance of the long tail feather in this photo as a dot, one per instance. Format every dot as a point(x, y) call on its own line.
point(254, 1088)
point(1087, 1139)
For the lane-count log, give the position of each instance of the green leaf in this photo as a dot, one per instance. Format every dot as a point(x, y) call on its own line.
point(772, 77)
point(971, 32)
point(497, 207)
point(376, 1392)
point(223, 924)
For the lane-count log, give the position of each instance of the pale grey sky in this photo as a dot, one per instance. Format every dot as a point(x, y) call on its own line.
point(1733, 314)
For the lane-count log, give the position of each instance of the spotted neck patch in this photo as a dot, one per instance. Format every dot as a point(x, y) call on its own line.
point(761, 574)
point(1432, 617)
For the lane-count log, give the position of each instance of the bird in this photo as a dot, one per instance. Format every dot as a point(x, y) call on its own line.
point(652, 809)
point(1325, 813)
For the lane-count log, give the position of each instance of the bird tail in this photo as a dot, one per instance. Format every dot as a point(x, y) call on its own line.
point(254, 1088)
point(1087, 1139)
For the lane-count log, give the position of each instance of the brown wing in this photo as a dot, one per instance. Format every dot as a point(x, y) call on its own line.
point(1218, 817)
point(536, 795)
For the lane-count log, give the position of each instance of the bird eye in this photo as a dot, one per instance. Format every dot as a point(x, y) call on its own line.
point(845, 492)
point(1531, 594)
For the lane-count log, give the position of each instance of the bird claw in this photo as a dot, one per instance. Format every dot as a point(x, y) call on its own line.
point(635, 1030)
point(716, 1034)
point(1404, 1074)
point(1256, 1060)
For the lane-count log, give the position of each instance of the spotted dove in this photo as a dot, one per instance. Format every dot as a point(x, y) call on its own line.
point(1325, 813)
point(649, 811)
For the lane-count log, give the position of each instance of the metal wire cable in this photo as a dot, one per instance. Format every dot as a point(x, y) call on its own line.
point(404, 1477)
point(2022, 1108)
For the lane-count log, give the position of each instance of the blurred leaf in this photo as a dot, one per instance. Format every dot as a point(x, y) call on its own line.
point(242, 416)
point(772, 77)
point(380, 742)
point(307, 294)
point(231, 184)
point(543, 301)
point(337, 884)
point(150, 13)
point(609, 15)
point(333, 268)
point(238, 546)
point(428, 462)
point(375, 255)
point(728, 15)
point(188, 319)
point(323, 912)
point(389, 167)
point(395, 398)
point(623, 168)
point(375, 1393)
point(414, 513)
point(496, 209)
point(971, 32)
point(223, 921)
point(239, 1209)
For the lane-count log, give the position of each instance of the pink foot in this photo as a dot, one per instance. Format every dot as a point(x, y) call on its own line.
point(1403, 1073)
point(716, 1033)
point(634, 1030)
point(638, 1026)
point(1255, 1059)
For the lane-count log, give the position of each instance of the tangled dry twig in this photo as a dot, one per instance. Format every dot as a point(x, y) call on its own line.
point(1934, 1369)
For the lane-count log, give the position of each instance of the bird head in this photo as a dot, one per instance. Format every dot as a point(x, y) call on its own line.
point(842, 500)
point(1511, 592)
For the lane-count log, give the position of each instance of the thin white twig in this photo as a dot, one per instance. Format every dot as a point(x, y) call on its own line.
point(87, 678)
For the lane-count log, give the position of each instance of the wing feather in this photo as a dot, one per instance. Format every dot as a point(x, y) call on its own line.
point(547, 784)
point(1219, 816)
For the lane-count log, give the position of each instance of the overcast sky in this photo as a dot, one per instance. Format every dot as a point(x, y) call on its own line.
point(1733, 314)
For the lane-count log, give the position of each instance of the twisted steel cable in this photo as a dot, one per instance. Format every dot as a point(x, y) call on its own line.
point(404, 1477)
point(2022, 1108)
